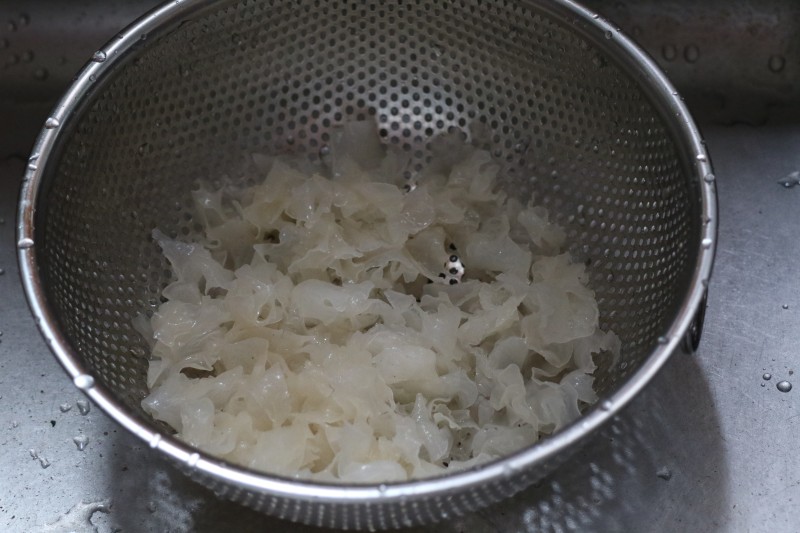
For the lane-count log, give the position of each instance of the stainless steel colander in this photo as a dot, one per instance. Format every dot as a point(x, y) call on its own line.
point(580, 118)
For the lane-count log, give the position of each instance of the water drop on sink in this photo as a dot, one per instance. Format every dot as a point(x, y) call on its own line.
point(669, 52)
point(707, 242)
point(663, 340)
point(691, 53)
point(776, 63)
point(791, 180)
point(606, 405)
point(324, 150)
point(785, 306)
point(702, 157)
point(2, 271)
point(25, 242)
point(33, 162)
point(608, 35)
point(36, 455)
point(80, 442)
point(64, 407)
point(767, 376)
point(51, 123)
point(83, 407)
point(784, 386)
point(99, 56)
point(664, 473)
point(709, 178)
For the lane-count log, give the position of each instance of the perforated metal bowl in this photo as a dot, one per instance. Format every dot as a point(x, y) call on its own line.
point(580, 117)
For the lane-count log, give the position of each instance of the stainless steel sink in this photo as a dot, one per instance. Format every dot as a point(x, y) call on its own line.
point(708, 447)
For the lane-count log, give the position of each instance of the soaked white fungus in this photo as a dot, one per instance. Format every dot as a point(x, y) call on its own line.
point(307, 332)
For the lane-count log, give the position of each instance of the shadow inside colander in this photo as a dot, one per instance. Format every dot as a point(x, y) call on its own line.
point(633, 476)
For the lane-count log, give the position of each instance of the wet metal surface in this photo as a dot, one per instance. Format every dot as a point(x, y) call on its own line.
point(708, 447)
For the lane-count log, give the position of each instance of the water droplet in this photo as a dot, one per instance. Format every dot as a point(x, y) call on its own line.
point(702, 157)
point(83, 406)
point(24, 243)
point(783, 386)
point(709, 178)
point(324, 150)
point(707, 242)
point(290, 140)
point(595, 16)
point(84, 381)
point(143, 148)
point(64, 407)
point(776, 63)
point(192, 460)
point(99, 56)
point(670, 52)
point(2, 271)
point(51, 123)
point(608, 34)
point(81, 441)
point(791, 180)
point(33, 162)
point(691, 53)
point(663, 339)
point(382, 488)
point(27, 56)
point(37, 455)
point(92, 78)
point(767, 376)
point(606, 405)
point(14, 424)
point(664, 473)
point(155, 440)
point(785, 306)
point(151, 507)
point(41, 74)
